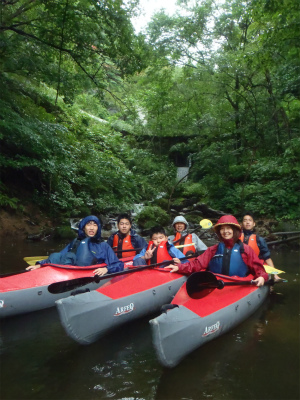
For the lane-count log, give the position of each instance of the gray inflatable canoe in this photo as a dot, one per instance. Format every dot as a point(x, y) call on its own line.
point(88, 316)
point(189, 323)
point(30, 291)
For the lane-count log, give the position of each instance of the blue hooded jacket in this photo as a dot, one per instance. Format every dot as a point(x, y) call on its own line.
point(99, 251)
point(82, 224)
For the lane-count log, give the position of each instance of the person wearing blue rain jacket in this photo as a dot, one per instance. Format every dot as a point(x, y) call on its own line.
point(87, 249)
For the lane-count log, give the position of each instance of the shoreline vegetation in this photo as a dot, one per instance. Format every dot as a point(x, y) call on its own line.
point(41, 227)
point(95, 118)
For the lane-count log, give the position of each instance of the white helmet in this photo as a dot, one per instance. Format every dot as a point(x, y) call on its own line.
point(180, 218)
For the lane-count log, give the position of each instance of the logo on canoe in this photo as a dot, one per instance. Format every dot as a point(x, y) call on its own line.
point(1, 303)
point(124, 310)
point(211, 329)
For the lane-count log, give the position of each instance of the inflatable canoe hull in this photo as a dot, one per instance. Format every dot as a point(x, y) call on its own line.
point(26, 292)
point(195, 322)
point(88, 316)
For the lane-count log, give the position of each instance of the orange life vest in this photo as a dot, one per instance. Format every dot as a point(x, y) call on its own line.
point(187, 240)
point(252, 242)
point(123, 244)
point(160, 254)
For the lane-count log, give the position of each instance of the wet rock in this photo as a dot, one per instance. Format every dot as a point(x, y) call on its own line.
point(35, 237)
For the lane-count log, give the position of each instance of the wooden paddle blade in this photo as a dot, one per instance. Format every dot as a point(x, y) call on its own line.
point(200, 284)
point(205, 224)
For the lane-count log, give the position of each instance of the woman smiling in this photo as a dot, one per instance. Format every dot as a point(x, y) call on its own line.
point(230, 257)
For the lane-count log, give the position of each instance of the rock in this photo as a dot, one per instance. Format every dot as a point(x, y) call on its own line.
point(35, 237)
point(209, 212)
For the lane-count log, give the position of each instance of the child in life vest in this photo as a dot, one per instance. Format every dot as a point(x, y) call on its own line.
point(158, 250)
point(126, 239)
point(229, 257)
point(190, 241)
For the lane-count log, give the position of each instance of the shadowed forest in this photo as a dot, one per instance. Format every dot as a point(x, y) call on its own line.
point(95, 118)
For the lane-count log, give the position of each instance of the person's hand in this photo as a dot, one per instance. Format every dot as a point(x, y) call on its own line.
point(149, 252)
point(259, 281)
point(173, 268)
point(101, 271)
point(31, 267)
point(176, 260)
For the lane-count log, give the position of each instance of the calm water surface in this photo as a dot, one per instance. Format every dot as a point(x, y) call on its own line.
point(257, 360)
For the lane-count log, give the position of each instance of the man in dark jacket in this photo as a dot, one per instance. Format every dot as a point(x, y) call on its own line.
point(87, 249)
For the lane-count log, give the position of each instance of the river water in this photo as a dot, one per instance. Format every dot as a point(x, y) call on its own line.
point(259, 359)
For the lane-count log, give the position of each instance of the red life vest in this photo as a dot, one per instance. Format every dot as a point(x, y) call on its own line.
point(160, 254)
point(123, 244)
point(252, 242)
point(188, 239)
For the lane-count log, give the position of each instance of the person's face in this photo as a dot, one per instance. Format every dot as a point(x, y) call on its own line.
point(157, 238)
point(180, 226)
point(124, 226)
point(248, 223)
point(226, 232)
point(90, 229)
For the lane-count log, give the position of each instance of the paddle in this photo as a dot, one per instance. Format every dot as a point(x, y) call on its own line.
point(34, 259)
point(204, 224)
point(272, 270)
point(184, 245)
point(124, 251)
point(200, 284)
point(65, 286)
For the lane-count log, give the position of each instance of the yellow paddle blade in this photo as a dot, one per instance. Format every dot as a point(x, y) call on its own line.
point(205, 223)
point(33, 260)
point(273, 271)
point(185, 245)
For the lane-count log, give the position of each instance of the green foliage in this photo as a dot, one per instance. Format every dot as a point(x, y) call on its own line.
point(151, 216)
point(234, 108)
point(11, 202)
point(194, 191)
point(91, 115)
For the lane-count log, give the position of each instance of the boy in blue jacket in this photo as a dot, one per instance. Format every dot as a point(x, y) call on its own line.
point(87, 249)
point(158, 250)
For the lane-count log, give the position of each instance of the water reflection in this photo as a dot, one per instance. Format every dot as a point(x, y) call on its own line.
point(257, 360)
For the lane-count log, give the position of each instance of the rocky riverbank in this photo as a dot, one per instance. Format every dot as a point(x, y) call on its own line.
point(32, 224)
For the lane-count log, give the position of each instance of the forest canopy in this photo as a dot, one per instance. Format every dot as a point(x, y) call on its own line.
point(95, 117)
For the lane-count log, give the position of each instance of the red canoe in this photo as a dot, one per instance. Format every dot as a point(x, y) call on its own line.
point(25, 292)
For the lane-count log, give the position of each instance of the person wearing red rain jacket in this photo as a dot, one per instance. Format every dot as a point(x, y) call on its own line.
point(230, 257)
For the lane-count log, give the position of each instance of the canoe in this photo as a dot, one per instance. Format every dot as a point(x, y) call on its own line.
point(88, 316)
point(28, 291)
point(192, 323)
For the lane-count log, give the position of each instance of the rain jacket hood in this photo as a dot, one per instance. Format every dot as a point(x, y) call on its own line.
point(180, 218)
point(83, 222)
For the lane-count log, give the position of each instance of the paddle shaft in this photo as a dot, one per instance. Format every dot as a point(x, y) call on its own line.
point(186, 235)
point(64, 286)
point(201, 283)
point(115, 249)
point(220, 284)
point(194, 230)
